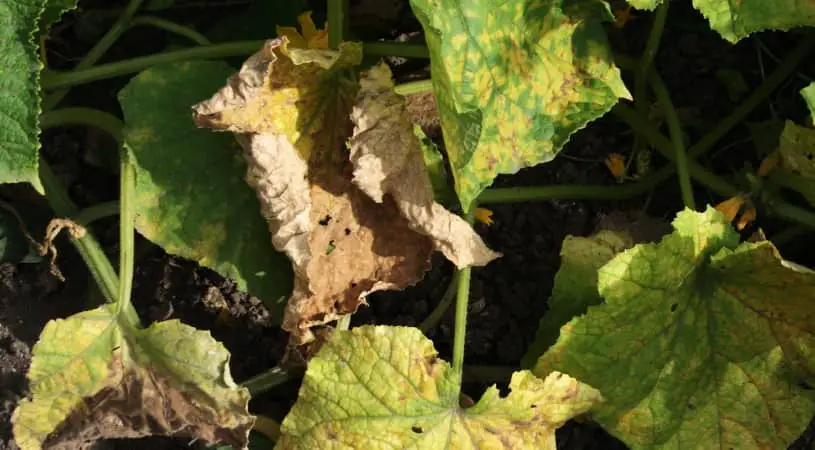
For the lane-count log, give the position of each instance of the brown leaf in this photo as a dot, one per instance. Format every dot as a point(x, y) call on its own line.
point(343, 245)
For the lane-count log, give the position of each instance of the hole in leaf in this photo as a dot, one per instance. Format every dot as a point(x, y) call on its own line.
point(347, 231)
point(331, 247)
point(691, 406)
point(353, 284)
point(673, 307)
point(417, 430)
point(325, 220)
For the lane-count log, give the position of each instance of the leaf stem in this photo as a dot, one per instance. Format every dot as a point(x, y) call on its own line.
point(98, 50)
point(87, 246)
point(84, 116)
point(462, 301)
point(54, 79)
point(172, 27)
point(267, 380)
point(395, 49)
point(127, 237)
point(337, 22)
point(447, 299)
point(93, 213)
point(267, 427)
point(677, 138)
point(414, 87)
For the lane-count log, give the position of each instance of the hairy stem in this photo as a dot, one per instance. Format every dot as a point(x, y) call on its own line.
point(98, 50)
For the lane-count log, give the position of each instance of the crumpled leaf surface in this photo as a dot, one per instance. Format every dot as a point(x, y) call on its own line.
point(94, 377)
point(19, 91)
point(290, 108)
point(735, 20)
point(700, 342)
point(796, 148)
point(511, 84)
point(190, 196)
point(575, 287)
point(384, 387)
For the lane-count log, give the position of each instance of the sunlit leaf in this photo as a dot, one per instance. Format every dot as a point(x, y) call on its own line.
point(809, 97)
point(513, 81)
point(384, 387)
point(796, 149)
point(701, 342)
point(94, 376)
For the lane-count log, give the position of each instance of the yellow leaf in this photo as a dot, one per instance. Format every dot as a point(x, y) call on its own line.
point(483, 215)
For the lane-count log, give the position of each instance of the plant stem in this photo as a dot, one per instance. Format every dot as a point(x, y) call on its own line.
point(677, 138)
point(573, 192)
point(395, 49)
point(87, 246)
point(84, 116)
point(447, 299)
point(652, 45)
point(96, 212)
point(344, 322)
point(98, 50)
point(414, 87)
point(172, 27)
point(267, 380)
point(792, 213)
point(53, 80)
point(267, 427)
point(127, 237)
point(337, 22)
point(462, 301)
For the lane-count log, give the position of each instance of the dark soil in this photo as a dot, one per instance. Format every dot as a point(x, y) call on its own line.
point(507, 297)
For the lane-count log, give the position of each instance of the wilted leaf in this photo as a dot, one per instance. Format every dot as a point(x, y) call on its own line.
point(809, 97)
point(735, 20)
point(514, 81)
point(19, 91)
point(346, 235)
point(738, 206)
point(575, 287)
point(384, 387)
point(699, 343)
point(796, 150)
point(191, 198)
point(95, 376)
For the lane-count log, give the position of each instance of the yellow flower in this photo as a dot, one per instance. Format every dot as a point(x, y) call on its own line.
point(622, 16)
point(616, 165)
point(483, 215)
point(768, 164)
point(311, 36)
point(735, 205)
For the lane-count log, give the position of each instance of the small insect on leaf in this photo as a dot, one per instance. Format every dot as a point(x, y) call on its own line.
point(483, 215)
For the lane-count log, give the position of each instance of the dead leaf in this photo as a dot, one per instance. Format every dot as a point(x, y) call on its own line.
point(345, 237)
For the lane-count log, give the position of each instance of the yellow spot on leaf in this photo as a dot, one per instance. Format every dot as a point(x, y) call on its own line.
point(483, 215)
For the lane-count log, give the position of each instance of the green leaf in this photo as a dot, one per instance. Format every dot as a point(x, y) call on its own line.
point(648, 5)
point(384, 387)
point(698, 342)
point(797, 150)
point(436, 168)
point(191, 197)
point(737, 20)
point(575, 287)
point(93, 376)
point(19, 91)
point(514, 82)
point(54, 9)
point(809, 97)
